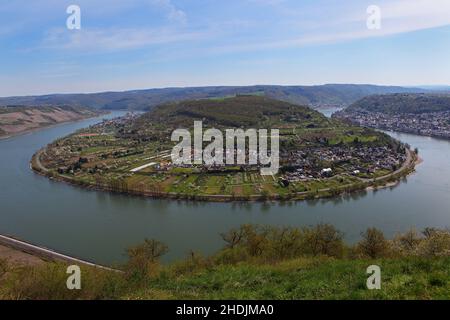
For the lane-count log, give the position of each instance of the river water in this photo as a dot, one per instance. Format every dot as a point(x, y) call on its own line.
point(99, 226)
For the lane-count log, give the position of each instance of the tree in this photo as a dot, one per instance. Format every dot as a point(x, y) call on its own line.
point(428, 232)
point(232, 237)
point(145, 256)
point(324, 239)
point(373, 244)
point(255, 239)
point(251, 238)
point(407, 242)
point(150, 250)
point(436, 243)
point(286, 242)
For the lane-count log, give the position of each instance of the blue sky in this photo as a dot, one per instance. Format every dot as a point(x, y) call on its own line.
point(138, 44)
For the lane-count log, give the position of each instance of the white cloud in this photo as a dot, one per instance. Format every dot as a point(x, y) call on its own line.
point(398, 16)
point(173, 13)
point(111, 39)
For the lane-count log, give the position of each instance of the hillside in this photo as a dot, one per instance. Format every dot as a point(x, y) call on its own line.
point(402, 103)
point(241, 111)
point(19, 119)
point(330, 94)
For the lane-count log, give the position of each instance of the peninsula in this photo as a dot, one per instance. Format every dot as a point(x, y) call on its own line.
point(319, 157)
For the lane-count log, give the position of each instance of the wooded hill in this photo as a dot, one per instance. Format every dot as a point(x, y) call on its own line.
point(402, 103)
point(240, 111)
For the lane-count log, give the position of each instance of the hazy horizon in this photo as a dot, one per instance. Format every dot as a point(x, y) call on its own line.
point(426, 87)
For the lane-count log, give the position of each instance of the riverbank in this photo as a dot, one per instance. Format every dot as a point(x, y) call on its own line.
point(364, 184)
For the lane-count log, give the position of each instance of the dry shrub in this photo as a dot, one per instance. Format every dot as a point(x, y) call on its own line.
point(286, 242)
point(405, 244)
point(373, 244)
point(272, 244)
point(435, 244)
point(323, 239)
point(144, 258)
point(432, 243)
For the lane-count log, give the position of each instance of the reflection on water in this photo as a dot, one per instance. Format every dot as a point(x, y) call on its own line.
point(99, 226)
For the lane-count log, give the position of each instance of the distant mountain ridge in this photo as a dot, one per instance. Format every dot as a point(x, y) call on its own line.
point(402, 103)
point(315, 96)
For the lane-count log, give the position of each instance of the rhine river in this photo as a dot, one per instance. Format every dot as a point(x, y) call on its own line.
point(99, 226)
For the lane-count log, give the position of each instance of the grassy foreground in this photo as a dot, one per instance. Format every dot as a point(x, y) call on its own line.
point(263, 264)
